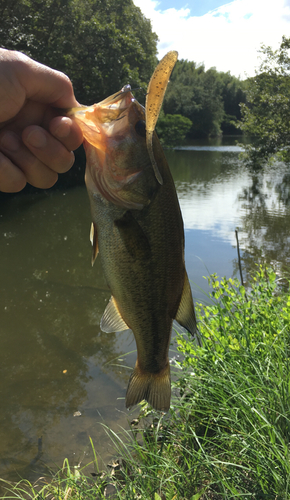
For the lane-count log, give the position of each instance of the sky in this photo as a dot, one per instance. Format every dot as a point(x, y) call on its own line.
point(224, 35)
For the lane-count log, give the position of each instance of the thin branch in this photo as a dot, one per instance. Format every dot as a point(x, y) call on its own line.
point(239, 257)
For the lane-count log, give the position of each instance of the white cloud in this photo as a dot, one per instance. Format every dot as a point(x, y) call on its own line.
point(228, 37)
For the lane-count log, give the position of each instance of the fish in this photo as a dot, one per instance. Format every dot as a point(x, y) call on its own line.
point(137, 230)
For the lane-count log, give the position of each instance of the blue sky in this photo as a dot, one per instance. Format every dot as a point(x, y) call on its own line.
point(225, 35)
point(197, 7)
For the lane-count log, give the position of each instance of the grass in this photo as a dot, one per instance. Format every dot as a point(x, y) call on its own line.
point(228, 431)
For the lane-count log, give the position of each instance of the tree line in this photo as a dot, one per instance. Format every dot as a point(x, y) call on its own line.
point(209, 99)
point(104, 44)
point(100, 44)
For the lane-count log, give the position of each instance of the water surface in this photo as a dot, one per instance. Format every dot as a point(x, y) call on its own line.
point(61, 377)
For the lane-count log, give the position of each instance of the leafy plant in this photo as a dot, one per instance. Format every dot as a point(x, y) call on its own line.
point(236, 393)
point(266, 114)
point(172, 129)
point(239, 319)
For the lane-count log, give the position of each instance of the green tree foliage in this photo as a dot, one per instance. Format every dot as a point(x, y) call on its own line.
point(104, 44)
point(172, 129)
point(266, 115)
point(207, 98)
point(100, 44)
point(193, 94)
point(233, 93)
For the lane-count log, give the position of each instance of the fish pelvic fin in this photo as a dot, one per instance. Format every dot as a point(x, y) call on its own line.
point(94, 242)
point(112, 320)
point(185, 315)
point(155, 388)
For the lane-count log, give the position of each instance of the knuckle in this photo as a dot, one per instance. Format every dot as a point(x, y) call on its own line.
point(12, 179)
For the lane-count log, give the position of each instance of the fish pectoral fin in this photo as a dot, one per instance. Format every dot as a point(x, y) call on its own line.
point(185, 314)
point(153, 387)
point(112, 320)
point(94, 242)
point(133, 236)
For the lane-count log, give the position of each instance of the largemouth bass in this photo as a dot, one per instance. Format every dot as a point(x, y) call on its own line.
point(138, 230)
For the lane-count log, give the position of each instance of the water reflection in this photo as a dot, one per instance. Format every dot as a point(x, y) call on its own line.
point(220, 149)
point(265, 219)
point(54, 360)
point(208, 184)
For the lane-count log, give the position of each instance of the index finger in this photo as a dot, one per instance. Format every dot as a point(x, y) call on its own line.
point(22, 78)
point(44, 84)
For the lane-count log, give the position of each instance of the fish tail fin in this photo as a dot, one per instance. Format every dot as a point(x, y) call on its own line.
point(155, 388)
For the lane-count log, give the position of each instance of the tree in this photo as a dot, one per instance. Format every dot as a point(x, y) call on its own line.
point(193, 94)
point(233, 93)
point(100, 44)
point(266, 114)
point(207, 98)
point(172, 129)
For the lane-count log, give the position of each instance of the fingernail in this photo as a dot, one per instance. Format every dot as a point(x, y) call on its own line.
point(10, 142)
point(37, 139)
point(63, 129)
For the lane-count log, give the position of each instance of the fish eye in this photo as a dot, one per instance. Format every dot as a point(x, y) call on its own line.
point(140, 128)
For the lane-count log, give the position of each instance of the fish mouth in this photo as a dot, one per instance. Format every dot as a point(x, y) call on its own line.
point(105, 119)
point(123, 97)
point(106, 111)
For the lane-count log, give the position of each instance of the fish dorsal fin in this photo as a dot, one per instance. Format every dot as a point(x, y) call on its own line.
point(154, 98)
point(185, 314)
point(94, 242)
point(112, 320)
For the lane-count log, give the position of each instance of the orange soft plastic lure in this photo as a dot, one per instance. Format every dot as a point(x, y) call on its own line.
point(154, 99)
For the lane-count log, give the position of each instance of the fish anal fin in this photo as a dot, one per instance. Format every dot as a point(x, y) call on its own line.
point(112, 320)
point(94, 242)
point(185, 314)
point(155, 388)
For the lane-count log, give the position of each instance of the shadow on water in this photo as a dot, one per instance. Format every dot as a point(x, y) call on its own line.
point(61, 377)
point(54, 360)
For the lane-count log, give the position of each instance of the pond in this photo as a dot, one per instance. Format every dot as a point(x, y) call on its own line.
point(62, 379)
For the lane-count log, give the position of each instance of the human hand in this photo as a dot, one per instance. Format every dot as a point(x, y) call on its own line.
point(36, 141)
